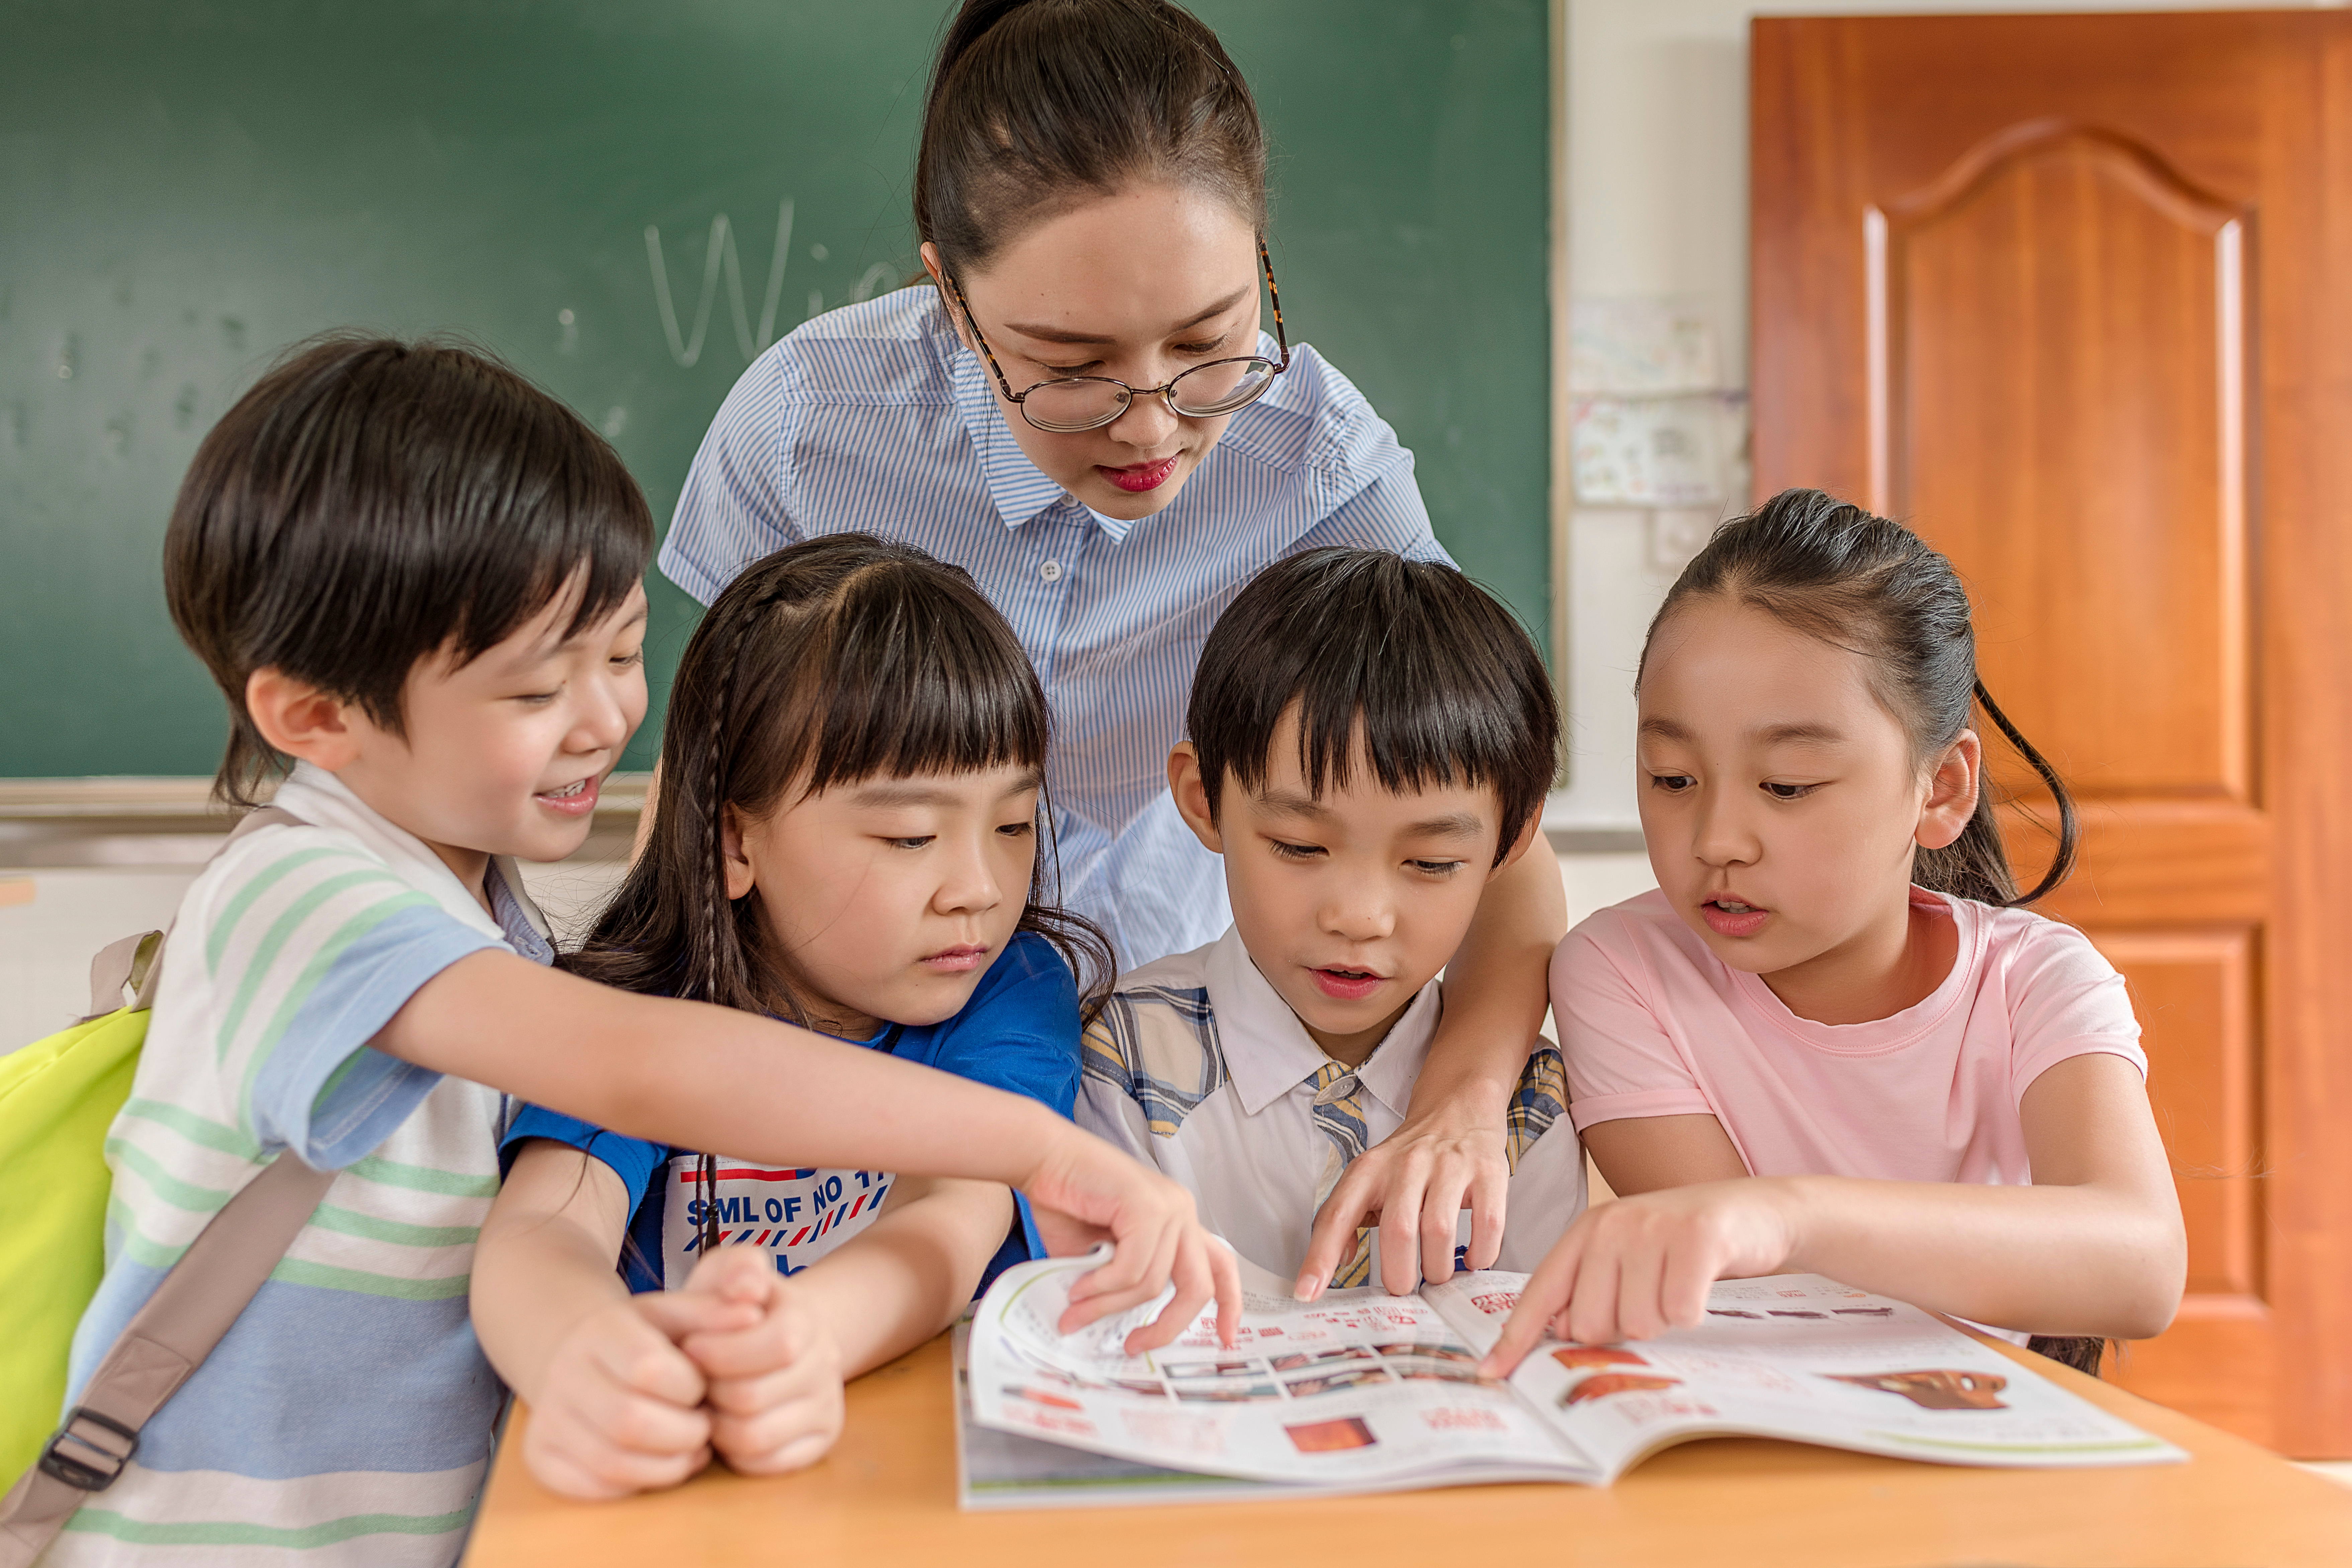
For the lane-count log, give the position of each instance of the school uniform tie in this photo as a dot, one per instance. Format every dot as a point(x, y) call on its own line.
point(1340, 1117)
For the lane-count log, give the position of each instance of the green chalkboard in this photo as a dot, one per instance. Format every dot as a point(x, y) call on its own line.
point(187, 185)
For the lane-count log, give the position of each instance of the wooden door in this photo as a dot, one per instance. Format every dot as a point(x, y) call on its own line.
point(2072, 295)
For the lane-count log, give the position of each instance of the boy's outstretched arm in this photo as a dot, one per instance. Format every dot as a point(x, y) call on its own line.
point(1448, 1155)
point(712, 1077)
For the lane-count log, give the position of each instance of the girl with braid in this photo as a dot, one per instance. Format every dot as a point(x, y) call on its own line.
point(847, 839)
point(1832, 1039)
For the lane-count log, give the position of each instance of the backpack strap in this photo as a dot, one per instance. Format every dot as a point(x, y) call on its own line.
point(166, 1340)
point(136, 963)
point(118, 964)
point(170, 1336)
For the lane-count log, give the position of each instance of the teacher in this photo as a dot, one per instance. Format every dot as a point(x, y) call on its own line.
point(1079, 408)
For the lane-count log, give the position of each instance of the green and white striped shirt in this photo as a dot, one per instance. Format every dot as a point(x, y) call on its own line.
point(346, 1418)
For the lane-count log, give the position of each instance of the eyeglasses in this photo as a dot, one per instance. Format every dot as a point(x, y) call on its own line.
point(1068, 403)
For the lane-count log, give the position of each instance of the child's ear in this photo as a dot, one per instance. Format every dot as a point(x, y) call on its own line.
point(1519, 846)
point(1951, 792)
point(1193, 796)
point(739, 875)
point(300, 720)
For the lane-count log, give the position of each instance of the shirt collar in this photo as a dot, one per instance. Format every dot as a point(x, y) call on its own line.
point(1268, 1051)
point(322, 800)
point(1019, 489)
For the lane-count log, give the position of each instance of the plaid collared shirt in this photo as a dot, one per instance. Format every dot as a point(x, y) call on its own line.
point(1199, 1068)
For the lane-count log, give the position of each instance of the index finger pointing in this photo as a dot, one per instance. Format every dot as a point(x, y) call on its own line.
point(1333, 1241)
point(1226, 1274)
point(1547, 1290)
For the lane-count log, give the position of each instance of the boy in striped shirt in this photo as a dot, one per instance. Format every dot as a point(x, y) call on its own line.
point(415, 577)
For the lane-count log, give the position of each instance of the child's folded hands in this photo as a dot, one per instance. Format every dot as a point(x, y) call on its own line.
point(619, 1405)
point(774, 1382)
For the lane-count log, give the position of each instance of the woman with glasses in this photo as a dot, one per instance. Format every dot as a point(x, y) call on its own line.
point(1080, 407)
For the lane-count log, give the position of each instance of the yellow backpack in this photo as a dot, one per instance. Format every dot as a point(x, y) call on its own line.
point(57, 1097)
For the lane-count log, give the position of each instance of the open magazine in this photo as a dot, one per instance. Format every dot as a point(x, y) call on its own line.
point(1366, 1392)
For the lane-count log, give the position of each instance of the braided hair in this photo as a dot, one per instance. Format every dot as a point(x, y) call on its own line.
point(842, 659)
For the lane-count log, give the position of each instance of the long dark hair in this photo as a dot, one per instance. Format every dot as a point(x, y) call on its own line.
point(1831, 570)
point(842, 659)
point(1034, 104)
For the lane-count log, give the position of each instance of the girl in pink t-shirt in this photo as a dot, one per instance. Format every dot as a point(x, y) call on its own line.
point(1830, 1041)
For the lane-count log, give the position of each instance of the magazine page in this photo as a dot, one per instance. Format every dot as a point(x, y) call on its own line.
point(1005, 1470)
point(1360, 1390)
point(1802, 1357)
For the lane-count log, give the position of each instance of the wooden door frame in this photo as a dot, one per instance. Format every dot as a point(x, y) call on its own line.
point(1810, 364)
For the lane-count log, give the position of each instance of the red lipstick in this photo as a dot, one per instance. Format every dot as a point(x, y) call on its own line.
point(1137, 477)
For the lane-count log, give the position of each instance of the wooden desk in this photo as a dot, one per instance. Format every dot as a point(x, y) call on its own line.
point(886, 1497)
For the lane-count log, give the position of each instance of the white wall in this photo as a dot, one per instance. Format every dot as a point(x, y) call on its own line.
point(1656, 172)
point(53, 920)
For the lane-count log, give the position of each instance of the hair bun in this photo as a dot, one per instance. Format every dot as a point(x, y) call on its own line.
point(1033, 102)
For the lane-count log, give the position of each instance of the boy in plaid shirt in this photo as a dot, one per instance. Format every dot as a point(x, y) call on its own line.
point(1371, 740)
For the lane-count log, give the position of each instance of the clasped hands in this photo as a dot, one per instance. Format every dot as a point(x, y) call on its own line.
point(643, 1393)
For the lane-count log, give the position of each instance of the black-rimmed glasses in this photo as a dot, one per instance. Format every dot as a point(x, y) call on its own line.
point(1068, 403)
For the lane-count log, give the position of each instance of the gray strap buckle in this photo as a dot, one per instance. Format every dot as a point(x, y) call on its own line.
point(80, 1474)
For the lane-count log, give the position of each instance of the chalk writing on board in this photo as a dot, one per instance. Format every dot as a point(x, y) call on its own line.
point(874, 278)
point(719, 256)
point(720, 259)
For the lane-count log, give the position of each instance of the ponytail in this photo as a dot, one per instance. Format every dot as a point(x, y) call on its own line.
point(1976, 864)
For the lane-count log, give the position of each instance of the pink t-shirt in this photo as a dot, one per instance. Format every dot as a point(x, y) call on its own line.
point(1654, 1024)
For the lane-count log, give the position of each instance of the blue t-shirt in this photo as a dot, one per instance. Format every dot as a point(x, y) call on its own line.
point(1019, 1032)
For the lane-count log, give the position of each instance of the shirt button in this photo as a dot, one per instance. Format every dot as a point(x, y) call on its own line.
point(1051, 570)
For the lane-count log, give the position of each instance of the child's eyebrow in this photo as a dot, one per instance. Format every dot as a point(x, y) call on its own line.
point(1288, 803)
point(1802, 735)
point(1453, 825)
point(915, 792)
point(588, 634)
point(553, 644)
point(1664, 729)
point(903, 792)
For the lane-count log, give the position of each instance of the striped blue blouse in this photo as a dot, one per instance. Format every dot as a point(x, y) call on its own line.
point(876, 418)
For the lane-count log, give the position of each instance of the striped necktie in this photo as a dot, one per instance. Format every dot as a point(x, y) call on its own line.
point(1340, 1117)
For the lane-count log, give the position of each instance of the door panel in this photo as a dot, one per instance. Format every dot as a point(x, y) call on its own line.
point(2059, 291)
point(2067, 300)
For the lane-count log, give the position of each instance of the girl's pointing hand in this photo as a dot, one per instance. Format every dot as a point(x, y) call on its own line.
point(1634, 1267)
